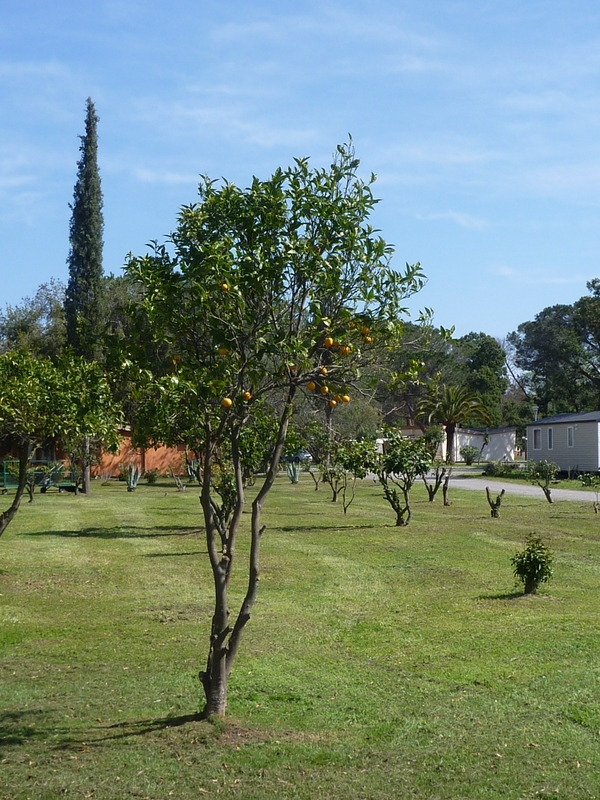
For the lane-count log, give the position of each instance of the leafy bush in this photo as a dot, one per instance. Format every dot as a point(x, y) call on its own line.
point(469, 453)
point(533, 565)
point(150, 476)
point(505, 469)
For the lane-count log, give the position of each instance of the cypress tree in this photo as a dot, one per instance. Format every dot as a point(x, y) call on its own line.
point(83, 295)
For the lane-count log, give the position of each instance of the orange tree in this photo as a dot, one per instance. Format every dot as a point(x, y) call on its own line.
point(258, 296)
point(41, 401)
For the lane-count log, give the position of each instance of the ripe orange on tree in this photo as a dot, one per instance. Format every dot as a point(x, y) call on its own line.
point(323, 370)
point(311, 386)
point(346, 398)
point(247, 396)
point(225, 287)
point(223, 351)
point(324, 389)
point(332, 404)
point(328, 341)
point(227, 402)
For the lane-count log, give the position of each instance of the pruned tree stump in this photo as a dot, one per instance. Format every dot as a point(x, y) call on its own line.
point(494, 504)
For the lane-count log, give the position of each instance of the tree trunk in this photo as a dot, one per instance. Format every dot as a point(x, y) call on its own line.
point(404, 514)
point(85, 467)
point(450, 430)
point(214, 679)
point(433, 488)
point(224, 639)
point(494, 504)
point(548, 492)
point(7, 516)
point(401, 521)
point(316, 480)
point(530, 585)
point(445, 488)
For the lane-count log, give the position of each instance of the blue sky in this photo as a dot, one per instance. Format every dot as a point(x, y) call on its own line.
point(481, 120)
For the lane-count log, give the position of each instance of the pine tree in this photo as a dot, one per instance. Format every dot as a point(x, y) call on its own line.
point(83, 295)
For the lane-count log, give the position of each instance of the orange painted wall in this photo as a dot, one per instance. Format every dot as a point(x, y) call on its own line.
point(161, 458)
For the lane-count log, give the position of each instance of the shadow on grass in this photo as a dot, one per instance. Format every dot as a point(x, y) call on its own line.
point(120, 533)
point(122, 730)
point(18, 727)
point(175, 555)
point(307, 526)
point(505, 596)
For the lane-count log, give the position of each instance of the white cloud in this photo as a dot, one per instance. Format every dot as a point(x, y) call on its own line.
point(464, 220)
point(536, 277)
point(164, 176)
point(33, 69)
point(236, 119)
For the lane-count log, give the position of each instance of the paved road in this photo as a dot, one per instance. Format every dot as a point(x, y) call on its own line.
point(479, 484)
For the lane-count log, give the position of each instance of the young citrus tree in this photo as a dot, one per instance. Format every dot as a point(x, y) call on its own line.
point(355, 459)
point(259, 295)
point(533, 565)
point(442, 470)
point(542, 473)
point(402, 462)
point(42, 401)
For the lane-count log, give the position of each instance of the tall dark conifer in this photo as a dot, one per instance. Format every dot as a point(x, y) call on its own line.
point(83, 295)
point(83, 300)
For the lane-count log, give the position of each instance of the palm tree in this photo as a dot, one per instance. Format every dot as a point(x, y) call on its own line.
point(451, 406)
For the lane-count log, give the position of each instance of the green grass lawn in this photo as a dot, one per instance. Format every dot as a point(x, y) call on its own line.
point(380, 662)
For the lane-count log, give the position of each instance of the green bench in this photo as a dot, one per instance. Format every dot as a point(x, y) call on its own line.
point(45, 475)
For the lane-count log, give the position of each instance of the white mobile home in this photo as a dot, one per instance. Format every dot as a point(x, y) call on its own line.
point(494, 444)
point(570, 440)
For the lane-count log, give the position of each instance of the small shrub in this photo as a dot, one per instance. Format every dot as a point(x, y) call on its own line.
point(505, 469)
point(469, 453)
point(150, 476)
point(533, 565)
point(592, 480)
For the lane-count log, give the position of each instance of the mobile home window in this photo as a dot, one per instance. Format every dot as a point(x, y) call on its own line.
point(570, 436)
point(537, 438)
point(550, 439)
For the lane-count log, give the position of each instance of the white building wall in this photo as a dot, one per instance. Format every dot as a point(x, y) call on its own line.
point(500, 447)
